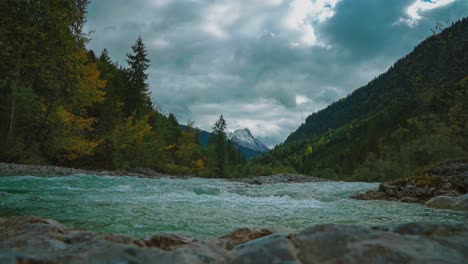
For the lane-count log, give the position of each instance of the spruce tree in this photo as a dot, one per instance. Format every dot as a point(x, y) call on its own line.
point(220, 146)
point(105, 56)
point(138, 97)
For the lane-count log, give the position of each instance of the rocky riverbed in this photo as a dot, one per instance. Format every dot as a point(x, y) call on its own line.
point(31, 239)
point(280, 178)
point(11, 169)
point(445, 187)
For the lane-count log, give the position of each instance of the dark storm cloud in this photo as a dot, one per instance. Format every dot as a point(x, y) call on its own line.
point(267, 64)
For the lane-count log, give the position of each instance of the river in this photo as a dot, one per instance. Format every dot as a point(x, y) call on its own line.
point(201, 208)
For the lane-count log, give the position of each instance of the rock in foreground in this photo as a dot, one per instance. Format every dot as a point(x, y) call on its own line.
point(449, 202)
point(37, 240)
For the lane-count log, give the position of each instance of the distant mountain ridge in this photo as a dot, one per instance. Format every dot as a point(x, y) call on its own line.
point(402, 83)
point(412, 116)
point(249, 146)
point(244, 138)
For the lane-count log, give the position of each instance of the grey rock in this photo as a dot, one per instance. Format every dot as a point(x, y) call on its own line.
point(385, 244)
point(37, 240)
point(450, 179)
point(442, 202)
point(462, 203)
point(449, 202)
point(409, 199)
point(168, 241)
point(281, 178)
point(242, 235)
point(372, 195)
point(276, 248)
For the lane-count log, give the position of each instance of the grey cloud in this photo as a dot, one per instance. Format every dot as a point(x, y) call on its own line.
point(241, 59)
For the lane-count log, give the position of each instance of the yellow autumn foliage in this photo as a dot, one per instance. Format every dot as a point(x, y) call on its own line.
point(308, 151)
point(198, 166)
point(69, 140)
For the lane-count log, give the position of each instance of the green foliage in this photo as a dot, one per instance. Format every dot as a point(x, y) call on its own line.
point(408, 118)
point(130, 141)
point(47, 81)
point(62, 104)
point(223, 157)
point(218, 157)
point(137, 97)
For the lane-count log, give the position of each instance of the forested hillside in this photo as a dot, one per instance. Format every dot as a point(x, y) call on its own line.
point(410, 117)
point(61, 104)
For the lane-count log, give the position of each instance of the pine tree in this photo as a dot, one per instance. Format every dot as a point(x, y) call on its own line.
point(220, 146)
point(105, 57)
point(138, 96)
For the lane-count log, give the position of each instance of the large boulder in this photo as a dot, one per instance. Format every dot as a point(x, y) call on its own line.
point(462, 203)
point(449, 202)
point(276, 248)
point(412, 243)
point(442, 202)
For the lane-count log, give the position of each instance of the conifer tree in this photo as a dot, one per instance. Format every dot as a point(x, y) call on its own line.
point(220, 146)
point(138, 99)
point(105, 56)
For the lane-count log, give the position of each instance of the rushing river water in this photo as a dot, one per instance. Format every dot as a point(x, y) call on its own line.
point(199, 207)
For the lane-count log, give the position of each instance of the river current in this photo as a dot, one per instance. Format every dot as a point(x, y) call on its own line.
point(200, 207)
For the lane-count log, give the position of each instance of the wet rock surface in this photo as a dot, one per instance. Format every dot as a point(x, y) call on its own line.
point(169, 241)
point(449, 202)
point(242, 235)
point(30, 239)
point(438, 188)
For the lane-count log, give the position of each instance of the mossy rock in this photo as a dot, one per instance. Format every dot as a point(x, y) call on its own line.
point(420, 181)
point(457, 182)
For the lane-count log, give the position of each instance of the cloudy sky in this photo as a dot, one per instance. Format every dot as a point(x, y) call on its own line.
point(265, 64)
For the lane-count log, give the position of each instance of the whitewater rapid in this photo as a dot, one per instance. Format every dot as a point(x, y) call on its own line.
point(200, 207)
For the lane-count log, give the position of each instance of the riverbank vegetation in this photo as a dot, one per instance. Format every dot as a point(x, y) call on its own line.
point(62, 104)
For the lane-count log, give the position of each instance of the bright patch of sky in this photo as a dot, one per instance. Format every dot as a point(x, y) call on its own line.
point(414, 11)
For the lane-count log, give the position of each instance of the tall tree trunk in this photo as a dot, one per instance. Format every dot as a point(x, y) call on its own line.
point(14, 91)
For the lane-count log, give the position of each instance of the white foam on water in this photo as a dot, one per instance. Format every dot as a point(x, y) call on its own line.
point(200, 207)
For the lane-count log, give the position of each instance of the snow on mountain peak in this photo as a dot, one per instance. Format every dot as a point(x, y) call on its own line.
point(244, 138)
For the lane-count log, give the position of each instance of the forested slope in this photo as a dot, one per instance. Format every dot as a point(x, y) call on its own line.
point(61, 104)
point(413, 115)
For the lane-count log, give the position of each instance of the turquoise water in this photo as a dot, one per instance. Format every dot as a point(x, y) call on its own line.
point(199, 207)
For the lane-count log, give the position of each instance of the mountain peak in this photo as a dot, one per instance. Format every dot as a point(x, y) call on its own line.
point(244, 138)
